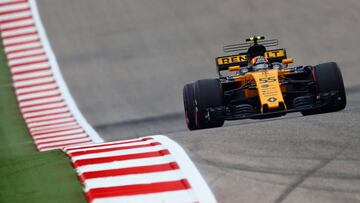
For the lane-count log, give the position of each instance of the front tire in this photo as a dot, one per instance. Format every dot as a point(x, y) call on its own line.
point(189, 106)
point(208, 94)
point(328, 78)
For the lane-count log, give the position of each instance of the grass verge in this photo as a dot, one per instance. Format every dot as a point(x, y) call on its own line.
point(25, 174)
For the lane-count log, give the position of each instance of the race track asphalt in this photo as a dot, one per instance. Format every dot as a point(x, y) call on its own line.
point(126, 62)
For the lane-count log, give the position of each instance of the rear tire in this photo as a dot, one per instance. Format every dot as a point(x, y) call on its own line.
point(328, 78)
point(208, 94)
point(189, 106)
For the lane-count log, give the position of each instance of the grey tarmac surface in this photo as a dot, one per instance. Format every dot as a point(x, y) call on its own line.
point(126, 62)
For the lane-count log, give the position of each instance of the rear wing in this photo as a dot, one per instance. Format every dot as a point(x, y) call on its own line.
point(224, 62)
point(259, 40)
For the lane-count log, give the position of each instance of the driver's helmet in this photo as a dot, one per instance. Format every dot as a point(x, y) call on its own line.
point(259, 62)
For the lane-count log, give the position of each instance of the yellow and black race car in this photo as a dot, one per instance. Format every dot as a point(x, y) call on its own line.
point(259, 84)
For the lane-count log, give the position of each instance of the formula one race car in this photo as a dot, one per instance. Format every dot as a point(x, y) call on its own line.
point(259, 84)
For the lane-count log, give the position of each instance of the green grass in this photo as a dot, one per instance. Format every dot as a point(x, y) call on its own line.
point(25, 174)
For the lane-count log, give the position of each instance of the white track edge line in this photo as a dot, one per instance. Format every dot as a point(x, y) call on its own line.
point(58, 76)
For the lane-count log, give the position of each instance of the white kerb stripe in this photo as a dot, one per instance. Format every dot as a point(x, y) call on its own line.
point(13, 7)
point(32, 75)
point(32, 82)
point(17, 23)
point(45, 129)
point(25, 53)
point(19, 31)
point(27, 60)
point(8, 1)
point(40, 101)
point(49, 117)
point(50, 122)
point(82, 135)
point(40, 94)
point(65, 132)
point(64, 142)
point(15, 15)
point(133, 179)
point(36, 88)
point(30, 67)
point(181, 196)
point(43, 107)
point(24, 39)
point(22, 46)
point(64, 109)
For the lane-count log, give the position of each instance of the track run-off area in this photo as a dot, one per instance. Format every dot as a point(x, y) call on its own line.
point(125, 63)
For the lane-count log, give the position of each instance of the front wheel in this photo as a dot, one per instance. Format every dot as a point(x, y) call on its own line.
point(328, 78)
point(189, 106)
point(208, 94)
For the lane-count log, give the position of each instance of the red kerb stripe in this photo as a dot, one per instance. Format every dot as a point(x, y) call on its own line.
point(84, 162)
point(12, 3)
point(112, 149)
point(111, 143)
point(31, 71)
point(139, 189)
point(129, 171)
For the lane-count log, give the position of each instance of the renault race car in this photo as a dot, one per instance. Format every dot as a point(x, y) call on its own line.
point(260, 84)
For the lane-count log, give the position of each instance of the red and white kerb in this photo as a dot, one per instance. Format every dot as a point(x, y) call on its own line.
point(150, 169)
point(48, 109)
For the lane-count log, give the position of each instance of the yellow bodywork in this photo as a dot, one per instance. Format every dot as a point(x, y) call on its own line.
point(268, 88)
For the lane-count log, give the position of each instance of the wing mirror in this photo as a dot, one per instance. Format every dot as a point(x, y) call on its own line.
point(234, 68)
point(287, 61)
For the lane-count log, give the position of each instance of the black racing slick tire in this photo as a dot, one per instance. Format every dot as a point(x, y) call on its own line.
point(189, 106)
point(208, 94)
point(328, 78)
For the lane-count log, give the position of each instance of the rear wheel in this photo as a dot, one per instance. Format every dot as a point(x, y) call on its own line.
point(208, 94)
point(328, 78)
point(189, 107)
